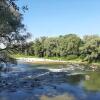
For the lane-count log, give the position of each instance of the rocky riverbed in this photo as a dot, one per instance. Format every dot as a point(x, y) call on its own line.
point(43, 82)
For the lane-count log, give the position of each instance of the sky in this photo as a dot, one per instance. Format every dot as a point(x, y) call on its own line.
point(60, 17)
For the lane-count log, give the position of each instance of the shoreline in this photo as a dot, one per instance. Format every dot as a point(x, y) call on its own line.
point(41, 61)
point(44, 61)
point(47, 61)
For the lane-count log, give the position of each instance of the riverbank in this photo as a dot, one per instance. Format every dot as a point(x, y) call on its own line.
point(44, 61)
point(50, 60)
point(47, 61)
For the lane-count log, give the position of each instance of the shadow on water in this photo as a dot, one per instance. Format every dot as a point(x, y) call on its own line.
point(26, 82)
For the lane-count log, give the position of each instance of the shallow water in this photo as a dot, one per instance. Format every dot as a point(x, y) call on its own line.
point(36, 82)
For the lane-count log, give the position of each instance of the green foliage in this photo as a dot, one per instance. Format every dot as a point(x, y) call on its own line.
point(11, 28)
point(71, 57)
point(91, 48)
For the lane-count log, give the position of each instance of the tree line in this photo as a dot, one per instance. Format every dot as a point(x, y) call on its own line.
point(69, 46)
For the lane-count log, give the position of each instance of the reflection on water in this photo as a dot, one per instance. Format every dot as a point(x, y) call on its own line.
point(92, 82)
point(60, 97)
point(75, 79)
point(28, 82)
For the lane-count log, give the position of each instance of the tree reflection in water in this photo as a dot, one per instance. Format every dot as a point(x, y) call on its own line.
point(93, 81)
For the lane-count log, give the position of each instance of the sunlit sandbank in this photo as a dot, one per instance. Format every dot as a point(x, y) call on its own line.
point(47, 61)
point(40, 60)
point(60, 97)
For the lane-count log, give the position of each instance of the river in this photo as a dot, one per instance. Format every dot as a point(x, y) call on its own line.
point(37, 82)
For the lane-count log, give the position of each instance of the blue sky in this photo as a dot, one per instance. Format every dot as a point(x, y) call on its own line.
point(59, 17)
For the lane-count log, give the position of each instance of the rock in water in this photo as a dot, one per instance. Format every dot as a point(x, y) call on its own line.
point(2, 66)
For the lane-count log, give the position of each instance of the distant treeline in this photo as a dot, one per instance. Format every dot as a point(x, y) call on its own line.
point(68, 46)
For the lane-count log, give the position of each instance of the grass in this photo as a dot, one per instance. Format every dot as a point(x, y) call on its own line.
point(22, 56)
point(63, 58)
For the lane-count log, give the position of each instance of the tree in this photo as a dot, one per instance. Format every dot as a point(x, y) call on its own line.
point(91, 48)
point(38, 48)
point(11, 28)
point(74, 43)
point(69, 45)
point(51, 46)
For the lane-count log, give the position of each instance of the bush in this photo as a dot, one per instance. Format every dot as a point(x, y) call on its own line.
point(82, 57)
point(71, 57)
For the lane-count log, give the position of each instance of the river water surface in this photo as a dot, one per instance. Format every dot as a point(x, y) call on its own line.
point(37, 82)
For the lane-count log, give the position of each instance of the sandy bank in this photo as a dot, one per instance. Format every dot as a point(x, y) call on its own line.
point(48, 61)
point(41, 61)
